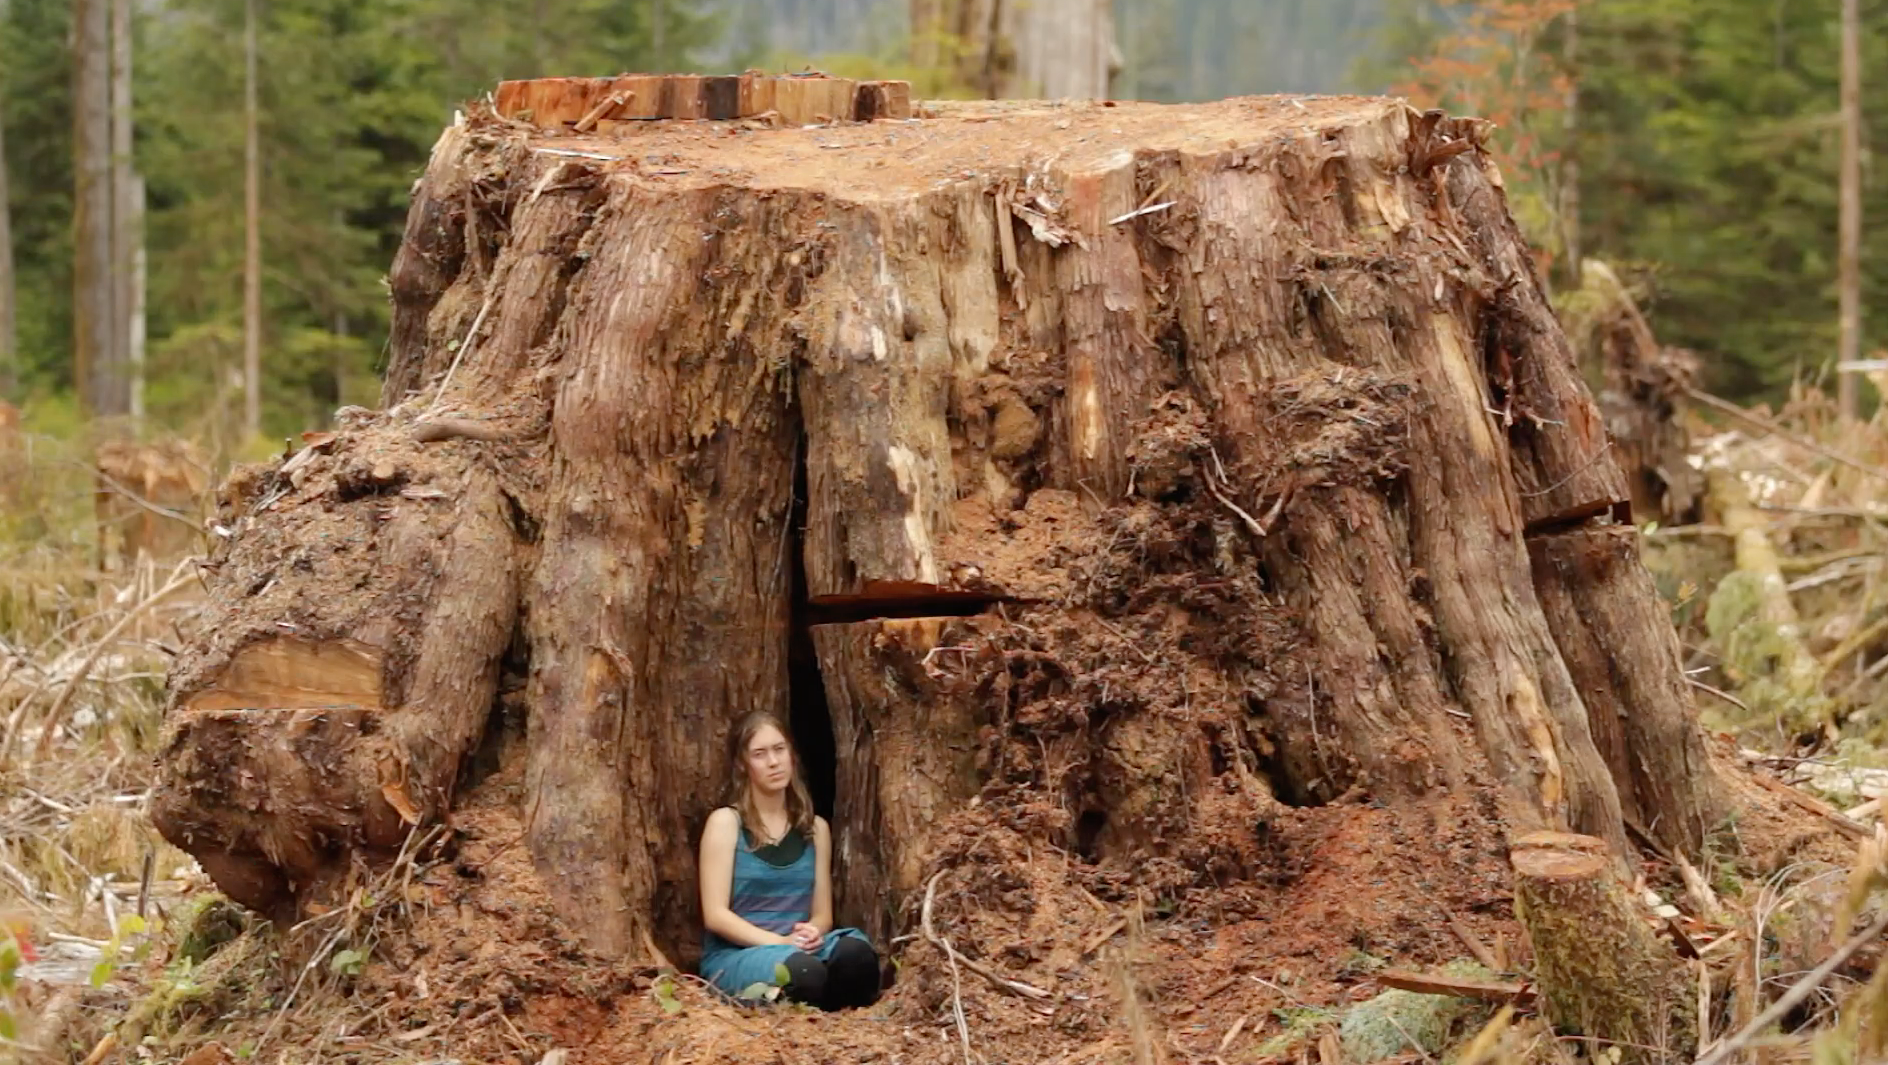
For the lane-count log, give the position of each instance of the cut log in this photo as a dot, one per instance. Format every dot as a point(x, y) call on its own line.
point(1209, 405)
point(147, 499)
point(328, 705)
point(907, 733)
point(1603, 973)
point(1613, 631)
point(578, 105)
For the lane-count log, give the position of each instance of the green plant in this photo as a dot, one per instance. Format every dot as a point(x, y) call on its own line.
point(12, 955)
point(130, 925)
point(760, 991)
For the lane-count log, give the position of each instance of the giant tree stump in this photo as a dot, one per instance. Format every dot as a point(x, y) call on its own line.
point(1237, 417)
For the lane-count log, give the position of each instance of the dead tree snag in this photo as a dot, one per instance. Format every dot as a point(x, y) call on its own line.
point(1238, 416)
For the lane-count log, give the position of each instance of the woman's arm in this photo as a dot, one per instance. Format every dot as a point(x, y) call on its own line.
point(822, 916)
point(717, 882)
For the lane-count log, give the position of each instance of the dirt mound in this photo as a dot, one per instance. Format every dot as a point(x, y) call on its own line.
point(481, 969)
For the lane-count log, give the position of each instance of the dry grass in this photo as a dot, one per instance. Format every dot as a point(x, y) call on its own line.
point(83, 652)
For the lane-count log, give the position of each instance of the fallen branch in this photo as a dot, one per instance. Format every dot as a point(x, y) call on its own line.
point(1474, 944)
point(1105, 935)
point(471, 338)
point(1233, 1032)
point(957, 985)
point(1781, 433)
point(1519, 995)
point(1016, 987)
point(161, 511)
point(103, 1049)
point(595, 114)
point(1794, 997)
point(1853, 829)
point(1721, 693)
point(1253, 524)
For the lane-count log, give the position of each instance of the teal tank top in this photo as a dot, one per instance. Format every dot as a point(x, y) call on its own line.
point(767, 895)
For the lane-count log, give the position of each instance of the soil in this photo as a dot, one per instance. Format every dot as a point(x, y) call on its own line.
point(483, 971)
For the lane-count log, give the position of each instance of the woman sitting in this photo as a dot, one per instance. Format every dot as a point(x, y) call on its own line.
point(766, 883)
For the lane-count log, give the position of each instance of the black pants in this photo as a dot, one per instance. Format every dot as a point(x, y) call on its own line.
point(850, 978)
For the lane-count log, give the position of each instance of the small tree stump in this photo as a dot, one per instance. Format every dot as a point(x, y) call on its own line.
point(1603, 973)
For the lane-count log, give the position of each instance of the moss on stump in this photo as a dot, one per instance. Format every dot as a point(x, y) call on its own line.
point(1602, 972)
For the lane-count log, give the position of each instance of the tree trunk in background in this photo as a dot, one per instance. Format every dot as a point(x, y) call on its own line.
point(1849, 255)
point(95, 368)
point(137, 288)
point(959, 38)
point(658, 33)
point(1572, 254)
point(127, 218)
point(1244, 489)
point(1065, 49)
point(1043, 49)
point(252, 236)
point(9, 292)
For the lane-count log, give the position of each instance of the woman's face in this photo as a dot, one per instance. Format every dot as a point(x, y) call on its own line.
point(769, 760)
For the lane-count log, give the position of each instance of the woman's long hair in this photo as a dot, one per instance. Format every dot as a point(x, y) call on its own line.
point(741, 790)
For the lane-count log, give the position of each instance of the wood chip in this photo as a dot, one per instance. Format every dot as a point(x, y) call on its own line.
point(1233, 1032)
point(1106, 934)
point(1474, 944)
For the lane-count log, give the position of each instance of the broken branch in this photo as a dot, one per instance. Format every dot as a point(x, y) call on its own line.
point(1519, 995)
point(1794, 997)
point(1781, 433)
point(1016, 987)
point(590, 118)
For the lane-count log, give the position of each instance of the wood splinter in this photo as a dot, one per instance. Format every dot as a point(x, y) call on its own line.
point(595, 114)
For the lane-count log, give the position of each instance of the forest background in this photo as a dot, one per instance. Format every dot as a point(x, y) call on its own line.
point(1693, 145)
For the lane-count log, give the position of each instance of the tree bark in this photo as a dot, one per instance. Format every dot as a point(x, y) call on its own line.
point(1603, 973)
point(127, 192)
point(95, 369)
point(9, 290)
point(327, 709)
point(1616, 637)
point(1243, 431)
point(252, 234)
point(1849, 254)
point(907, 739)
